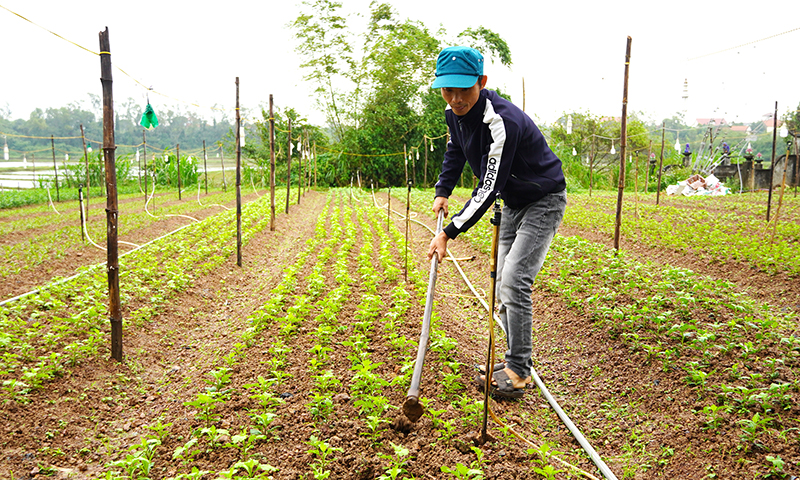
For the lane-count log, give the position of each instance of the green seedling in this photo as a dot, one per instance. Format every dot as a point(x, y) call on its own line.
point(464, 472)
point(321, 450)
point(398, 463)
point(776, 466)
point(205, 405)
point(321, 405)
point(160, 430)
point(373, 423)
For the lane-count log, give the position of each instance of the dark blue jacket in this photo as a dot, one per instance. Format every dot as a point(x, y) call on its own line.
point(505, 150)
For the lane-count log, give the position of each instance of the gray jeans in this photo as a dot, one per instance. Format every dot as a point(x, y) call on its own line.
point(525, 237)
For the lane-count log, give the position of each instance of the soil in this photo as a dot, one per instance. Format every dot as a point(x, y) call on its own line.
point(96, 412)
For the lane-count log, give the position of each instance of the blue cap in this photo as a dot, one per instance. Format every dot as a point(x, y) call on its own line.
point(458, 67)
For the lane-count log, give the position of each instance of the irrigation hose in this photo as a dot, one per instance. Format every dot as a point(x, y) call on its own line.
point(167, 215)
point(607, 473)
point(212, 204)
point(51, 201)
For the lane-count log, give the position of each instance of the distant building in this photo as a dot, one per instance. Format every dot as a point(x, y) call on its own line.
point(770, 124)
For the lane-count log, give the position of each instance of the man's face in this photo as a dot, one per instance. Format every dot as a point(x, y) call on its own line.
point(461, 100)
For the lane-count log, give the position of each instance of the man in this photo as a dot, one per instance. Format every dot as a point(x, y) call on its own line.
point(509, 155)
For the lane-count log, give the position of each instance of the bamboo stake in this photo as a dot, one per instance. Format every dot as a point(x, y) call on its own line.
point(622, 146)
point(55, 167)
point(178, 156)
point(388, 208)
point(772, 162)
point(796, 165)
point(591, 165)
point(238, 180)
point(408, 222)
point(289, 166)
point(144, 149)
point(299, 173)
point(33, 162)
point(112, 214)
point(315, 164)
point(205, 165)
point(86, 162)
point(405, 161)
point(80, 207)
point(271, 166)
point(636, 187)
point(660, 162)
point(222, 164)
point(647, 167)
point(425, 167)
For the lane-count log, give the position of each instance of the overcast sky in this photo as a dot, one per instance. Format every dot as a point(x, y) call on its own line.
point(570, 53)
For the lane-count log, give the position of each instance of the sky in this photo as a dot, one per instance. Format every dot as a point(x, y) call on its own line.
point(570, 54)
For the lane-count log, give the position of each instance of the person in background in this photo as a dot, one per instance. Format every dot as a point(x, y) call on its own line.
point(510, 157)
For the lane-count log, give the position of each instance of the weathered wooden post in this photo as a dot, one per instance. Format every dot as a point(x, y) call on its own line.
point(238, 180)
point(289, 165)
point(80, 207)
point(772, 162)
point(178, 157)
point(660, 162)
point(222, 164)
point(55, 167)
point(112, 214)
point(205, 165)
point(622, 146)
point(271, 165)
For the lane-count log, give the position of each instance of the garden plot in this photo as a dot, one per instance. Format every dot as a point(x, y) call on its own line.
point(38, 244)
point(292, 366)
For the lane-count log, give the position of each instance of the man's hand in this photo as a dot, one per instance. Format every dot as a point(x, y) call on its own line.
point(440, 203)
point(438, 245)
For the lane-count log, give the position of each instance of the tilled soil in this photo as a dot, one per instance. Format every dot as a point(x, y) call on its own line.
point(94, 414)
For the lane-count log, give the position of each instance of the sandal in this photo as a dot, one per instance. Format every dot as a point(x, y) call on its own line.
point(497, 366)
point(504, 388)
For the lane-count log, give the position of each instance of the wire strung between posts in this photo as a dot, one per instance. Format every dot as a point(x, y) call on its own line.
point(595, 458)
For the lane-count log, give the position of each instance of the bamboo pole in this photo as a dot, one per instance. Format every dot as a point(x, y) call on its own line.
point(660, 162)
point(591, 165)
point(299, 173)
point(647, 167)
point(178, 157)
point(388, 207)
point(80, 207)
point(796, 164)
point(405, 161)
point(289, 166)
point(271, 165)
point(205, 165)
point(238, 180)
point(772, 162)
point(315, 164)
point(86, 163)
point(112, 214)
point(425, 167)
point(408, 223)
point(144, 150)
point(55, 167)
point(222, 164)
point(622, 147)
point(636, 187)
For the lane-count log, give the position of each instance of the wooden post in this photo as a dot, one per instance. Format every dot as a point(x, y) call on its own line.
point(796, 165)
point(144, 149)
point(591, 165)
point(647, 167)
point(238, 180)
point(222, 164)
point(622, 146)
point(408, 222)
point(55, 167)
point(299, 172)
point(289, 166)
point(80, 207)
point(112, 215)
point(405, 161)
point(636, 187)
point(33, 162)
point(205, 165)
point(660, 162)
point(772, 162)
point(178, 157)
point(86, 162)
point(388, 207)
point(315, 164)
point(425, 167)
point(271, 166)
point(780, 197)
